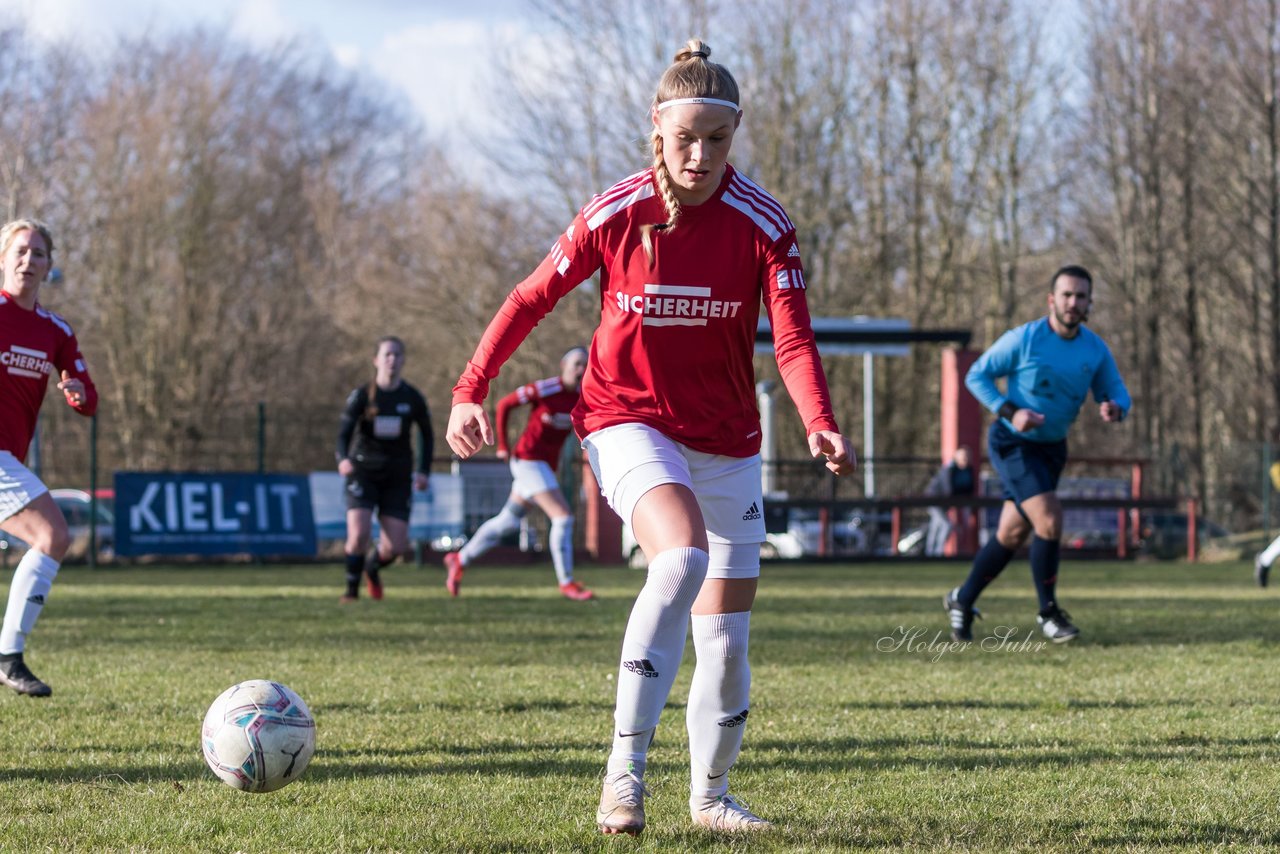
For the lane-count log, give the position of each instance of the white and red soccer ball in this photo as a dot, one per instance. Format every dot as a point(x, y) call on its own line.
point(258, 736)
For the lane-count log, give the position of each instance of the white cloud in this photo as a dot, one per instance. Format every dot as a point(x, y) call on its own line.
point(434, 65)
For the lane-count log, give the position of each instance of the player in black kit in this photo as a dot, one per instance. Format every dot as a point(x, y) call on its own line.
point(375, 455)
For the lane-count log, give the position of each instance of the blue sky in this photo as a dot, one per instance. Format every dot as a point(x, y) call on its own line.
point(413, 45)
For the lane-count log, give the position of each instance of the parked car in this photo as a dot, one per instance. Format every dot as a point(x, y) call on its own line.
point(75, 504)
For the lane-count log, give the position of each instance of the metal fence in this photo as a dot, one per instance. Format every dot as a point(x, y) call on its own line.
point(1240, 495)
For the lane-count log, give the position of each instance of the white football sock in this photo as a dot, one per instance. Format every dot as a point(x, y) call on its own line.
point(1272, 551)
point(32, 580)
point(718, 702)
point(562, 548)
point(651, 650)
point(487, 535)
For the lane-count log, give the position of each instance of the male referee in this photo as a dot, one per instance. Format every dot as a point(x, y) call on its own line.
point(1051, 365)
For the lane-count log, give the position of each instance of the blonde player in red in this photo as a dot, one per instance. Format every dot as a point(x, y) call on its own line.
point(686, 251)
point(533, 475)
point(34, 343)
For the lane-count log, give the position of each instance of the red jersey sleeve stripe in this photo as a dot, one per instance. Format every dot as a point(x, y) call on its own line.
point(759, 206)
point(623, 188)
point(602, 215)
point(764, 199)
point(57, 321)
point(548, 387)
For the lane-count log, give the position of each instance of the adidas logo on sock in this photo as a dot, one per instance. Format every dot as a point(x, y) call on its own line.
point(641, 667)
point(37, 599)
point(753, 512)
point(736, 721)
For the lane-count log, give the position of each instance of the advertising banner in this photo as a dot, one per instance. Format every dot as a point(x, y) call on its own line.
point(186, 513)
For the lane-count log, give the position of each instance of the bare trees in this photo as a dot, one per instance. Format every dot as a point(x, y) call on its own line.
point(240, 224)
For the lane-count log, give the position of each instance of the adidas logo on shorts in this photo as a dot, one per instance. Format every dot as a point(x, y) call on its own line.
point(753, 512)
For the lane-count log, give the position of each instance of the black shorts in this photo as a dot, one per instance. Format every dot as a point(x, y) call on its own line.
point(390, 493)
point(1026, 468)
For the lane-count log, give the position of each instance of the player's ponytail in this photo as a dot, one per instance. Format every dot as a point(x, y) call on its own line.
point(691, 75)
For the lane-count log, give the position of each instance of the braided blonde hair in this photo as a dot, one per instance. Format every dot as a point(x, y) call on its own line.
point(691, 75)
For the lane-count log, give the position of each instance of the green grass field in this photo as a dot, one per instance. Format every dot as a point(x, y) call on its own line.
point(482, 723)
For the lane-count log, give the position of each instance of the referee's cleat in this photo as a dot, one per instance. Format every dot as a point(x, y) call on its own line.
point(374, 582)
point(453, 576)
point(961, 617)
point(1056, 624)
point(1260, 571)
point(15, 673)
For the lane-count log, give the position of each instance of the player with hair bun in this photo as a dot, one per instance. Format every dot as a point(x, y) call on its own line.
point(34, 343)
point(686, 250)
point(533, 474)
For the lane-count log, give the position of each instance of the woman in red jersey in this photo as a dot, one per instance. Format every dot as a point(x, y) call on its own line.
point(533, 474)
point(34, 343)
point(686, 252)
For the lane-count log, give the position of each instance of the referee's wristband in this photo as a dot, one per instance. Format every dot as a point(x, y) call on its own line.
point(1008, 409)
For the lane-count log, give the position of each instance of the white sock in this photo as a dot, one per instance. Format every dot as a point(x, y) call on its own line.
point(651, 651)
point(562, 548)
point(32, 580)
point(1272, 551)
point(487, 535)
point(718, 702)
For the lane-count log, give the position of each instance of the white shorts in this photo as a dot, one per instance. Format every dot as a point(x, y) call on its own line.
point(529, 477)
point(18, 485)
point(631, 459)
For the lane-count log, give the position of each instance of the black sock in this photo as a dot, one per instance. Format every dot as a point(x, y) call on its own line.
point(355, 565)
point(988, 563)
point(374, 562)
point(1044, 569)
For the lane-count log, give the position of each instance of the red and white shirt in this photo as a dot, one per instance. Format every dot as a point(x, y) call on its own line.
point(549, 421)
point(34, 345)
point(674, 346)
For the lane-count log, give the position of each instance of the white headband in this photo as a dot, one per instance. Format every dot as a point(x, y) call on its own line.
point(717, 101)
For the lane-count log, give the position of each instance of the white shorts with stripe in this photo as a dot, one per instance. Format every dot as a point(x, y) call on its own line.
point(18, 485)
point(631, 459)
point(529, 477)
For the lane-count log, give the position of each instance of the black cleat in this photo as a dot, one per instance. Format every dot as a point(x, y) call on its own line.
point(1260, 571)
point(15, 674)
point(1056, 624)
point(961, 617)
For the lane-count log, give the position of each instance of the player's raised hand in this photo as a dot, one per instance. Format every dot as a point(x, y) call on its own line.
point(468, 430)
point(72, 388)
point(839, 454)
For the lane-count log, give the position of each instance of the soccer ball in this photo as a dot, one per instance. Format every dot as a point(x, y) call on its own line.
point(258, 736)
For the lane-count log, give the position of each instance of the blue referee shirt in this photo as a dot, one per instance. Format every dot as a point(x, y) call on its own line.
point(1049, 374)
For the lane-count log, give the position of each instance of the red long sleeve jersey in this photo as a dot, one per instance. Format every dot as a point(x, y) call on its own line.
point(549, 420)
point(34, 345)
point(674, 346)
